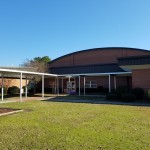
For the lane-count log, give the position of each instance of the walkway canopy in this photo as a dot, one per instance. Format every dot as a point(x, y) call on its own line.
point(84, 75)
point(20, 75)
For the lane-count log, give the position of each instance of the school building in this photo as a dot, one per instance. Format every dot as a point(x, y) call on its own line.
point(98, 68)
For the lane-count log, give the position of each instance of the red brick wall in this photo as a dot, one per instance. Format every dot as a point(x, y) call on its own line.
point(12, 82)
point(141, 78)
point(101, 56)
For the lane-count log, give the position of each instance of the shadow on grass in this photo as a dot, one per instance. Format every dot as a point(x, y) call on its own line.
point(95, 100)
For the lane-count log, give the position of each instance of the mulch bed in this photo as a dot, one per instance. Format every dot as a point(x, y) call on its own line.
point(7, 111)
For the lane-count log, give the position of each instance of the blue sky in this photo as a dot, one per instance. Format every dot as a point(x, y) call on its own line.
point(31, 28)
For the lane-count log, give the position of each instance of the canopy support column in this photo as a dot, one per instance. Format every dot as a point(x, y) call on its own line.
point(21, 87)
point(57, 86)
point(69, 88)
point(2, 88)
point(42, 86)
point(84, 84)
point(69, 79)
point(26, 89)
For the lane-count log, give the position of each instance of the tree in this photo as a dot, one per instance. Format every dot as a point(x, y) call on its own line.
point(37, 64)
point(45, 59)
point(37, 59)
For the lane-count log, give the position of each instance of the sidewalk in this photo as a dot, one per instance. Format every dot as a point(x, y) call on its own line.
point(17, 99)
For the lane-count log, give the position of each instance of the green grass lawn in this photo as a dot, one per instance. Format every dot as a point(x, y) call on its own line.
point(75, 126)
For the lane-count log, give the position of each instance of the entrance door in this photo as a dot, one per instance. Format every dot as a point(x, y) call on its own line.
point(71, 87)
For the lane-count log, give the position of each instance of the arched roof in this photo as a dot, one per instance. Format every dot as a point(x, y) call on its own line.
point(99, 49)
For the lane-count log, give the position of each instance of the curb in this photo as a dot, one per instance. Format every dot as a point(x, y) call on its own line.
point(9, 113)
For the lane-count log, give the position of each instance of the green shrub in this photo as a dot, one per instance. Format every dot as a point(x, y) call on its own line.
point(112, 96)
point(24, 88)
point(100, 89)
point(31, 90)
point(128, 97)
point(106, 90)
point(121, 90)
point(139, 93)
point(13, 90)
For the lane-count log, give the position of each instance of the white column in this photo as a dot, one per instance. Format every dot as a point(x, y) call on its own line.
point(57, 86)
point(109, 83)
point(42, 86)
point(69, 79)
point(2, 88)
point(79, 86)
point(26, 89)
point(84, 85)
point(62, 85)
point(75, 84)
point(21, 87)
point(69, 89)
point(115, 84)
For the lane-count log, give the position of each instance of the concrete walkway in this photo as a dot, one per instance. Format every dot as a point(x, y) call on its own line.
point(16, 99)
point(8, 101)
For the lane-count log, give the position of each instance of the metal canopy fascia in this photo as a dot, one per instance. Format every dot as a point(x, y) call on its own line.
point(95, 74)
point(4, 71)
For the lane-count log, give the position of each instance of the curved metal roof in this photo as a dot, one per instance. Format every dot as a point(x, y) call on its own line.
point(96, 49)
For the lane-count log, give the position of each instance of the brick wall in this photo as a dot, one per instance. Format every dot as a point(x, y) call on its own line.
point(141, 78)
point(12, 82)
point(96, 56)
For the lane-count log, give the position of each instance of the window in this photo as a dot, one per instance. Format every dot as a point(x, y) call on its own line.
point(90, 84)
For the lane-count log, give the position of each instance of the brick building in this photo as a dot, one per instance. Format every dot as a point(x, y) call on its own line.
point(102, 67)
point(10, 79)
